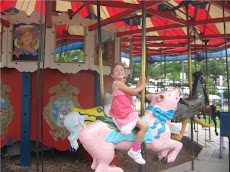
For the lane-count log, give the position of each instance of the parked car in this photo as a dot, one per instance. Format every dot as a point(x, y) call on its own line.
point(214, 100)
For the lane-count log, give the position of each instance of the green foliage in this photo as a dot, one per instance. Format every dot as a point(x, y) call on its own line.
point(213, 91)
point(173, 69)
point(225, 93)
point(136, 70)
point(154, 70)
point(70, 56)
point(125, 65)
point(216, 68)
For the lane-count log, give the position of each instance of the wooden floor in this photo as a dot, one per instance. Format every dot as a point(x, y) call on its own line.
point(211, 158)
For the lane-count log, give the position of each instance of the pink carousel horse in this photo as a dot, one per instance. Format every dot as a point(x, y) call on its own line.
point(100, 140)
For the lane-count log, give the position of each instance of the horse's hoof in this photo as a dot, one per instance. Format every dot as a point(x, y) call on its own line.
point(70, 149)
point(156, 158)
point(164, 160)
point(177, 137)
point(217, 133)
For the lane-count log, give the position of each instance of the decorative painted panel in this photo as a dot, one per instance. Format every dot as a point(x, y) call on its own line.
point(59, 106)
point(10, 106)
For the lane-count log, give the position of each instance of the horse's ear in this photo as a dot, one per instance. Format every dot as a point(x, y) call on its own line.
point(160, 97)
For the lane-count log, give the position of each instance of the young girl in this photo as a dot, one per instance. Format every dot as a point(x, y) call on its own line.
point(123, 113)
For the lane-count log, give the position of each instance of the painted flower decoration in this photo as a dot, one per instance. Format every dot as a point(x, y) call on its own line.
point(35, 34)
point(19, 29)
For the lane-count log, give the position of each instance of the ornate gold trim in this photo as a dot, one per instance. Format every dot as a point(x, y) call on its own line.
point(60, 105)
point(7, 112)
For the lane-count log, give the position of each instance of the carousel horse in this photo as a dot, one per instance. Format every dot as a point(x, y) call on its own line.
point(190, 107)
point(100, 139)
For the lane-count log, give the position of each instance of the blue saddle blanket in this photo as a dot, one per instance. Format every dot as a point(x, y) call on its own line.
point(116, 137)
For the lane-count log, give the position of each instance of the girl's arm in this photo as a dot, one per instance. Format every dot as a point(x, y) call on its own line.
point(130, 91)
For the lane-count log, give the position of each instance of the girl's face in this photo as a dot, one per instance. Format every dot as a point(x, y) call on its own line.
point(118, 73)
point(27, 38)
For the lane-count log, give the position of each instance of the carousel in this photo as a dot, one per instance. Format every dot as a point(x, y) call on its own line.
point(57, 55)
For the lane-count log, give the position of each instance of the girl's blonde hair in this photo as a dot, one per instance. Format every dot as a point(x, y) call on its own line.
point(116, 64)
point(33, 42)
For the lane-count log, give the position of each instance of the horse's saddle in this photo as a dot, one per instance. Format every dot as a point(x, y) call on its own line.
point(91, 114)
point(187, 108)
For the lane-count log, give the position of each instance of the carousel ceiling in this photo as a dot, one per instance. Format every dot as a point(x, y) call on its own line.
point(166, 23)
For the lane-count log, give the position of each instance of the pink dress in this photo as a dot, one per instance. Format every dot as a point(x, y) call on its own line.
point(122, 112)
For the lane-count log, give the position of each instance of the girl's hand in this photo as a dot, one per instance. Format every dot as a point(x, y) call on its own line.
point(142, 85)
point(140, 81)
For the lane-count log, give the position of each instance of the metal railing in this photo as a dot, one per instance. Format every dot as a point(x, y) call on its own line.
point(217, 94)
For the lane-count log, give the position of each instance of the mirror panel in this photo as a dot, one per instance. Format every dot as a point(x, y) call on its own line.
point(70, 44)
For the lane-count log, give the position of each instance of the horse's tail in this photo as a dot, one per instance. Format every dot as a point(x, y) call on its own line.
point(80, 122)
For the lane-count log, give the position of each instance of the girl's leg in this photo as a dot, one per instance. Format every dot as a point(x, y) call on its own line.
point(143, 129)
point(135, 151)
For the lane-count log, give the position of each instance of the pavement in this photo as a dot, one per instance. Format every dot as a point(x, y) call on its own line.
point(212, 158)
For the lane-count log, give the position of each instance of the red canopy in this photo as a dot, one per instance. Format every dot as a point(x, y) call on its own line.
point(166, 32)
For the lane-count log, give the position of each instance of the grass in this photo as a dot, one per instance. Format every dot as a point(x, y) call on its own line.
point(211, 121)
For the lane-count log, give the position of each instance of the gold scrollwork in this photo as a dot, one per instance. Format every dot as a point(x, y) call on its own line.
point(7, 110)
point(60, 105)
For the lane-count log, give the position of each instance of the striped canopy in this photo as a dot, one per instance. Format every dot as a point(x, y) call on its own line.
point(166, 23)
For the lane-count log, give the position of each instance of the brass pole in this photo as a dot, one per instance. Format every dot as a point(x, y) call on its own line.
point(100, 53)
point(165, 72)
point(131, 55)
point(189, 53)
point(190, 79)
point(206, 63)
point(143, 60)
point(143, 57)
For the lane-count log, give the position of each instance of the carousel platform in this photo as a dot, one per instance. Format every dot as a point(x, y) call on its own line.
point(214, 155)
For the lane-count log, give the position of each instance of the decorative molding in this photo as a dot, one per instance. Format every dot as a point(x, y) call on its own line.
point(4, 46)
point(76, 20)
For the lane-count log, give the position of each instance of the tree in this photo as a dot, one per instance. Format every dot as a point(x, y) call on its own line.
point(136, 70)
point(216, 68)
point(71, 56)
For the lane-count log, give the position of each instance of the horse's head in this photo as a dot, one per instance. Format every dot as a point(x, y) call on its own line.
point(199, 76)
point(197, 87)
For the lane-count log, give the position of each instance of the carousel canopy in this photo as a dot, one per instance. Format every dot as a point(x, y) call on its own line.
point(166, 24)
